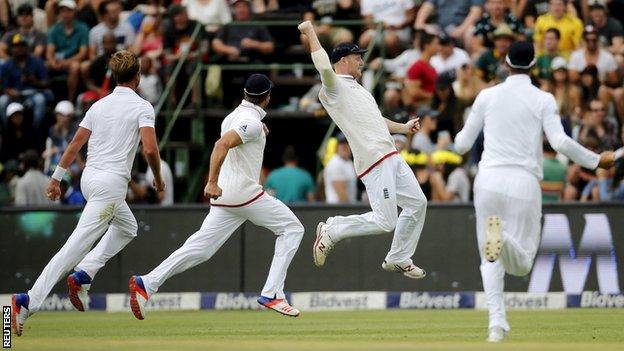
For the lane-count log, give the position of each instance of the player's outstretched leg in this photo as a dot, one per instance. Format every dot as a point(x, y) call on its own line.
point(19, 312)
point(138, 297)
point(78, 285)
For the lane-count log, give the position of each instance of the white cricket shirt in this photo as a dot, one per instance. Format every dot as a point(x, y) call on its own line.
point(356, 113)
point(240, 173)
point(514, 115)
point(114, 122)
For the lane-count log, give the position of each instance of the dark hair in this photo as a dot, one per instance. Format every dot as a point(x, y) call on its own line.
point(289, 154)
point(256, 99)
point(589, 93)
point(102, 7)
point(555, 31)
point(425, 39)
point(31, 159)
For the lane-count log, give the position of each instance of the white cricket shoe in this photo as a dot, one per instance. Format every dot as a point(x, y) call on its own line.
point(138, 297)
point(279, 305)
point(493, 238)
point(19, 312)
point(496, 334)
point(409, 270)
point(322, 245)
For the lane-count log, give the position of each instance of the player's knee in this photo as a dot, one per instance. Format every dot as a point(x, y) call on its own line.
point(386, 223)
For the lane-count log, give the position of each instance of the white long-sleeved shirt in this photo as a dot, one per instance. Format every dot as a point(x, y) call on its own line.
point(356, 113)
point(514, 115)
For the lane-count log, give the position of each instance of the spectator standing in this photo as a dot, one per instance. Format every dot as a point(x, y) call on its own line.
point(24, 77)
point(397, 17)
point(419, 83)
point(339, 175)
point(36, 40)
point(569, 26)
point(31, 187)
point(290, 183)
point(16, 137)
point(67, 46)
point(491, 64)
point(496, 13)
point(109, 11)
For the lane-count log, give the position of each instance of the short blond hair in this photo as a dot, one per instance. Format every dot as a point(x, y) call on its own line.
point(124, 65)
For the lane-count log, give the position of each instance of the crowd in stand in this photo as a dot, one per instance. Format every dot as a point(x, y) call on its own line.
point(434, 57)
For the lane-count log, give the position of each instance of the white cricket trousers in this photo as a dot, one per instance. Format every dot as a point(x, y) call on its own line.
point(390, 183)
point(515, 196)
point(219, 225)
point(106, 213)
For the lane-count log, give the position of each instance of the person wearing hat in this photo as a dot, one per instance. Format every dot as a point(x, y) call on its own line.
point(36, 40)
point(236, 196)
point(513, 116)
point(68, 42)
point(60, 134)
point(568, 96)
point(388, 179)
point(24, 77)
point(17, 137)
point(496, 13)
point(113, 127)
point(339, 175)
point(491, 62)
point(569, 25)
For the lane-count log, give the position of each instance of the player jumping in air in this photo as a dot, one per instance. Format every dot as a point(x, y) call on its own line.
point(388, 179)
point(514, 116)
point(237, 195)
point(113, 127)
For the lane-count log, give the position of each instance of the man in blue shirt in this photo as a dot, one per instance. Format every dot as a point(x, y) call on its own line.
point(290, 183)
point(24, 78)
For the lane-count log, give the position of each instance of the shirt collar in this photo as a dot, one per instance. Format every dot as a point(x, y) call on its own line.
point(345, 76)
point(261, 112)
point(121, 89)
point(518, 78)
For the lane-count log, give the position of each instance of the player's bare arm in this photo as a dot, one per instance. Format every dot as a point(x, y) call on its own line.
point(229, 140)
point(410, 127)
point(152, 155)
point(54, 189)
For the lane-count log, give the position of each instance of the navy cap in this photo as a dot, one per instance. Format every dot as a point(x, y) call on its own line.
point(521, 55)
point(345, 49)
point(258, 84)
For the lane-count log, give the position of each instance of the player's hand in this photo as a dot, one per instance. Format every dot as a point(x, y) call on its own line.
point(607, 159)
point(265, 129)
point(306, 27)
point(212, 191)
point(159, 185)
point(412, 126)
point(53, 192)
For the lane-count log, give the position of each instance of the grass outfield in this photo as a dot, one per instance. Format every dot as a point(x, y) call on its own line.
point(576, 329)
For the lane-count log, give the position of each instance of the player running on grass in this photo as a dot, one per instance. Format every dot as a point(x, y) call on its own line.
point(514, 116)
point(237, 195)
point(388, 179)
point(113, 127)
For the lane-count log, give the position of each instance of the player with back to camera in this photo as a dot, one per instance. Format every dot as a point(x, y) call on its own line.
point(113, 127)
point(388, 179)
point(233, 184)
point(514, 115)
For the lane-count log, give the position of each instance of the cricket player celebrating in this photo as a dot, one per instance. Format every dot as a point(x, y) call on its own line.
point(233, 183)
point(514, 116)
point(388, 179)
point(113, 127)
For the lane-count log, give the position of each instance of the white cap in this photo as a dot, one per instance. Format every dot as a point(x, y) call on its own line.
point(65, 108)
point(13, 108)
point(558, 63)
point(67, 3)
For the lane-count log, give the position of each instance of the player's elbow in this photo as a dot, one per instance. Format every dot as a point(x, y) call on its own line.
point(150, 151)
